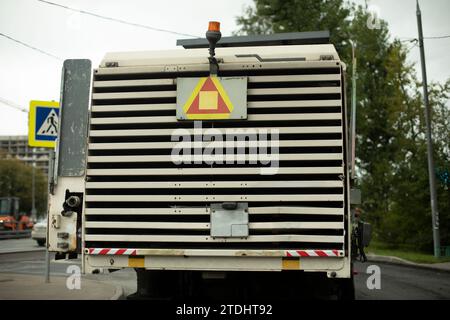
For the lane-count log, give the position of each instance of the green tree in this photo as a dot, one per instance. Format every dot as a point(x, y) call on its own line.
point(274, 16)
point(16, 180)
point(408, 221)
point(391, 147)
point(412, 198)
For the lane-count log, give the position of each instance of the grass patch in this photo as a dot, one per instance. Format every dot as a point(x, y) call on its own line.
point(413, 256)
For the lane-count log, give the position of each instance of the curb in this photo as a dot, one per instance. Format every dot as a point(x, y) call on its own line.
point(6, 235)
point(119, 294)
point(400, 261)
point(22, 250)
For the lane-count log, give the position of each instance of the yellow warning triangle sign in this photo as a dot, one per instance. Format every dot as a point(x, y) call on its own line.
point(209, 100)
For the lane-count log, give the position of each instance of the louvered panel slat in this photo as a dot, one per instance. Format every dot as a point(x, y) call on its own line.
point(253, 79)
point(250, 105)
point(185, 158)
point(216, 197)
point(230, 144)
point(292, 210)
point(159, 238)
point(168, 132)
point(211, 171)
point(136, 194)
point(206, 226)
point(251, 117)
point(213, 184)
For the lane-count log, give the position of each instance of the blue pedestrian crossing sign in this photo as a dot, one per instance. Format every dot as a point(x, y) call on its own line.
point(43, 123)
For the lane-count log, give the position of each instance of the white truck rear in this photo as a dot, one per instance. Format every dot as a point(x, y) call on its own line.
point(138, 209)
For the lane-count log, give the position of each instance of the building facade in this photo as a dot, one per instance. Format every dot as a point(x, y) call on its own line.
point(17, 147)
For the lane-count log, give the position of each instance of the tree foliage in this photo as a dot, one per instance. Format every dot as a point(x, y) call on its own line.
point(391, 145)
point(16, 181)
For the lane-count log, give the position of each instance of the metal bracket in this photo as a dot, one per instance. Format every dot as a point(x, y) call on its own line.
point(213, 66)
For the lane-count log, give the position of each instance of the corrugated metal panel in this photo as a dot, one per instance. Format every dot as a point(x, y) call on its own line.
point(251, 117)
point(294, 210)
point(160, 238)
point(206, 226)
point(211, 171)
point(170, 145)
point(250, 105)
point(167, 158)
point(215, 184)
point(136, 197)
point(168, 132)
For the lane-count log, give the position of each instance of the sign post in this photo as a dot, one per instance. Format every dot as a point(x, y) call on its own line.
point(43, 126)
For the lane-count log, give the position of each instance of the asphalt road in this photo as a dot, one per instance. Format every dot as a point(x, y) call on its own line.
point(26, 257)
point(397, 282)
point(19, 245)
point(402, 282)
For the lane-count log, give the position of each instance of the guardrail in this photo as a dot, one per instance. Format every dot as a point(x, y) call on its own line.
point(15, 234)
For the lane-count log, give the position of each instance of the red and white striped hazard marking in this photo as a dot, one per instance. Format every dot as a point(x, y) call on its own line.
point(314, 253)
point(109, 251)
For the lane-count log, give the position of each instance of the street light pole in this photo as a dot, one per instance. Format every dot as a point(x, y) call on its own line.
point(353, 123)
point(431, 171)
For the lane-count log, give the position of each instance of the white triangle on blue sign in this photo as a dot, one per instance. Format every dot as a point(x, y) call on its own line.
point(50, 125)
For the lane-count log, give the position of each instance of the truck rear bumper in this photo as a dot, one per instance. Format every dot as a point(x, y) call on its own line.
point(335, 265)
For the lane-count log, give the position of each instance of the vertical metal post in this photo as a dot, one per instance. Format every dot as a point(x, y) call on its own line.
point(33, 186)
point(47, 266)
point(51, 168)
point(353, 124)
point(431, 171)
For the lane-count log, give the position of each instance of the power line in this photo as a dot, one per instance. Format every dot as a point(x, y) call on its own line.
point(409, 40)
point(438, 37)
point(428, 38)
point(12, 104)
point(30, 46)
point(117, 20)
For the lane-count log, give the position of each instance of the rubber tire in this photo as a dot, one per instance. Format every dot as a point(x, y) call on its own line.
point(41, 242)
point(347, 289)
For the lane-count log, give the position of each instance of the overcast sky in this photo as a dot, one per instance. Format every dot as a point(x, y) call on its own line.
point(29, 75)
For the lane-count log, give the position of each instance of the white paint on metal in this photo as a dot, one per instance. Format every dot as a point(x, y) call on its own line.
point(133, 107)
point(147, 225)
point(251, 117)
point(133, 95)
point(293, 104)
point(216, 197)
point(281, 91)
point(139, 59)
point(251, 79)
point(172, 144)
point(206, 226)
point(147, 211)
point(212, 171)
point(168, 132)
point(133, 83)
point(167, 158)
point(206, 211)
point(213, 184)
point(178, 238)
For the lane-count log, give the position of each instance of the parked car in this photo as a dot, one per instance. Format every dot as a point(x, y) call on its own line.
point(39, 232)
